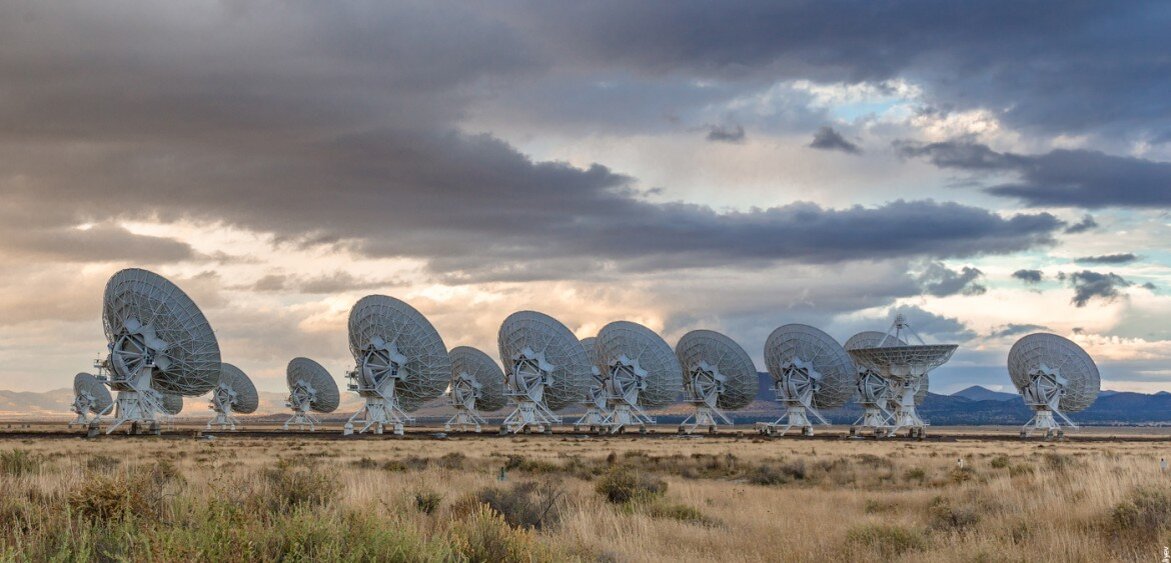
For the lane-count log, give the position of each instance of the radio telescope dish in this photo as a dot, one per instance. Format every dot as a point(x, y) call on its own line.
point(234, 394)
point(477, 385)
point(595, 395)
point(89, 397)
point(718, 375)
point(401, 363)
point(1054, 376)
point(810, 371)
point(640, 371)
point(546, 369)
point(311, 390)
point(905, 366)
point(159, 343)
point(874, 391)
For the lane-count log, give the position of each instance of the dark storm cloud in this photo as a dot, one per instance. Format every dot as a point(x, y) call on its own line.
point(1013, 329)
point(98, 243)
point(1029, 276)
point(1107, 259)
point(1107, 57)
point(1088, 285)
point(726, 133)
point(1064, 178)
point(940, 281)
point(828, 139)
point(1086, 224)
point(338, 125)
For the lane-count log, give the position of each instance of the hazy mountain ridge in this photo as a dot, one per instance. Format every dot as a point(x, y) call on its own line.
point(975, 405)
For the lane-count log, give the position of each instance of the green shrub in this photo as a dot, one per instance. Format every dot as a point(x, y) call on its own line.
point(19, 462)
point(523, 505)
point(915, 474)
point(287, 486)
point(621, 486)
point(777, 474)
point(485, 536)
point(428, 501)
point(1146, 512)
point(946, 515)
point(999, 462)
point(680, 512)
point(886, 541)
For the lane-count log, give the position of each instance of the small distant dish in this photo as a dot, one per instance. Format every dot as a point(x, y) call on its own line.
point(477, 385)
point(311, 390)
point(234, 394)
point(90, 396)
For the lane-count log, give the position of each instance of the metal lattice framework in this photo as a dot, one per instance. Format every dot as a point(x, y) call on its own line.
point(810, 371)
point(234, 394)
point(90, 396)
point(640, 371)
point(477, 385)
point(546, 369)
point(906, 367)
point(717, 375)
point(1054, 376)
point(311, 390)
point(401, 360)
point(595, 397)
point(159, 343)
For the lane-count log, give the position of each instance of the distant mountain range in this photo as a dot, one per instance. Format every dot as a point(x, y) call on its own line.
point(975, 405)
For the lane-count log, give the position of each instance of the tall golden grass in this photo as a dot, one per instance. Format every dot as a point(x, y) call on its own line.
point(567, 498)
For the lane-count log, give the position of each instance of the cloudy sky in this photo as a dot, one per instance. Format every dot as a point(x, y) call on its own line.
point(991, 169)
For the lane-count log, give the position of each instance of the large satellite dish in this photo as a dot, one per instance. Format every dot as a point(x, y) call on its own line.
point(477, 385)
point(810, 371)
point(595, 395)
point(311, 390)
point(90, 396)
point(874, 391)
point(401, 363)
point(905, 366)
point(545, 367)
point(718, 375)
point(234, 394)
point(640, 371)
point(1055, 376)
point(159, 343)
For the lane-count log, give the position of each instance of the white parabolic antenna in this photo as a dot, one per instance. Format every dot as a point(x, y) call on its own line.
point(159, 342)
point(810, 371)
point(905, 366)
point(477, 386)
point(718, 375)
point(401, 363)
point(311, 390)
point(545, 367)
point(640, 372)
point(595, 395)
point(1054, 376)
point(234, 394)
point(874, 391)
point(90, 396)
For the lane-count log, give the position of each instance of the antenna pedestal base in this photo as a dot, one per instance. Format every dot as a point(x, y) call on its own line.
point(592, 419)
point(378, 414)
point(1044, 420)
point(704, 417)
point(137, 408)
point(302, 419)
point(529, 416)
point(625, 415)
point(464, 419)
point(796, 416)
point(873, 418)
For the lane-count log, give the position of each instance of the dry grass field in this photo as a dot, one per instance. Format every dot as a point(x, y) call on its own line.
point(566, 497)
